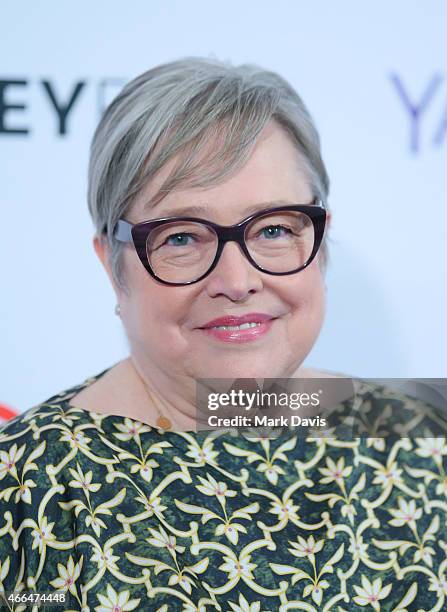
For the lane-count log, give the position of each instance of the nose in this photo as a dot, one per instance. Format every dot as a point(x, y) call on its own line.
point(234, 277)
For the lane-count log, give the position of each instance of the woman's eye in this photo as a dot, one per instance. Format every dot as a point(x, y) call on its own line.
point(178, 239)
point(275, 231)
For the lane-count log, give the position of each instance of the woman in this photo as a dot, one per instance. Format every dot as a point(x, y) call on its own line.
point(110, 495)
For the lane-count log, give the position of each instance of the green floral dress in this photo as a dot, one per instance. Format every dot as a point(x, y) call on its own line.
point(121, 516)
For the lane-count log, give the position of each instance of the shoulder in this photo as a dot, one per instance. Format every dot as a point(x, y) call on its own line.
point(401, 407)
point(413, 394)
point(31, 441)
point(40, 438)
point(42, 451)
point(44, 419)
point(56, 408)
point(38, 446)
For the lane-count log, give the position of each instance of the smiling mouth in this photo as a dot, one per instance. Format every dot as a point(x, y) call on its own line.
point(239, 321)
point(246, 332)
point(235, 327)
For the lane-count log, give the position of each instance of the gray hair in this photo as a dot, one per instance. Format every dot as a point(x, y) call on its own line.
point(176, 108)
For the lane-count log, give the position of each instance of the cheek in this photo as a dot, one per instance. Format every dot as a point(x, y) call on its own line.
point(144, 304)
point(156, 309)
point(159, 310)
point(153, 325)
point(306, 296)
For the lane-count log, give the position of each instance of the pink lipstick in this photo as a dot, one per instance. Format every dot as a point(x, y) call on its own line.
point(245, 328)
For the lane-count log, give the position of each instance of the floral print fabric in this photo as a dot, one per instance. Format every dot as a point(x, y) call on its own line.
point(122, 516)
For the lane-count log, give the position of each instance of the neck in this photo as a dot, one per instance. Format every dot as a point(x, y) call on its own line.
point(172, 399)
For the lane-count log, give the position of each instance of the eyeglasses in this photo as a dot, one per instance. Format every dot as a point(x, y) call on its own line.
point(183, 250)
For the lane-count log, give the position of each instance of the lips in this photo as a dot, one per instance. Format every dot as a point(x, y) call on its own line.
point(233, 320)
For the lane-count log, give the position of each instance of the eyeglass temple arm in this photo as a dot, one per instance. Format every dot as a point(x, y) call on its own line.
point(123, 231)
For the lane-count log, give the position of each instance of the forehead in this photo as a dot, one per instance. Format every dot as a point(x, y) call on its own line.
point(274, 174)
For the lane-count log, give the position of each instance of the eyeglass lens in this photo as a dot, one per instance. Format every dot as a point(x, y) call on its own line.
point(181, 252)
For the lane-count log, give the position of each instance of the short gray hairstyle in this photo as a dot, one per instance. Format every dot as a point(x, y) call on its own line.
point(176, 108)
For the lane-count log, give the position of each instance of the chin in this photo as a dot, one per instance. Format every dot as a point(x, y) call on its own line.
point(245, 369)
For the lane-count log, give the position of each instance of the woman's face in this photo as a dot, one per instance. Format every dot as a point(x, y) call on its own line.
point(165, 325)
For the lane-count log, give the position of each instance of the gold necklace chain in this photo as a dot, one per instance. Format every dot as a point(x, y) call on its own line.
point(162, 422)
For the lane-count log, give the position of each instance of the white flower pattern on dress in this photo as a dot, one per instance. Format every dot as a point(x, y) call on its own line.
point(123, 516)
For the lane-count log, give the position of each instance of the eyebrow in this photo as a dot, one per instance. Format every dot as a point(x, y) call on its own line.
point(200, 210)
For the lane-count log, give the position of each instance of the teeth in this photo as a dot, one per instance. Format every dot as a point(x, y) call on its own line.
point(236, 327)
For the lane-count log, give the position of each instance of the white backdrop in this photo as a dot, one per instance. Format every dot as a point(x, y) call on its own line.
point(374, 77)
